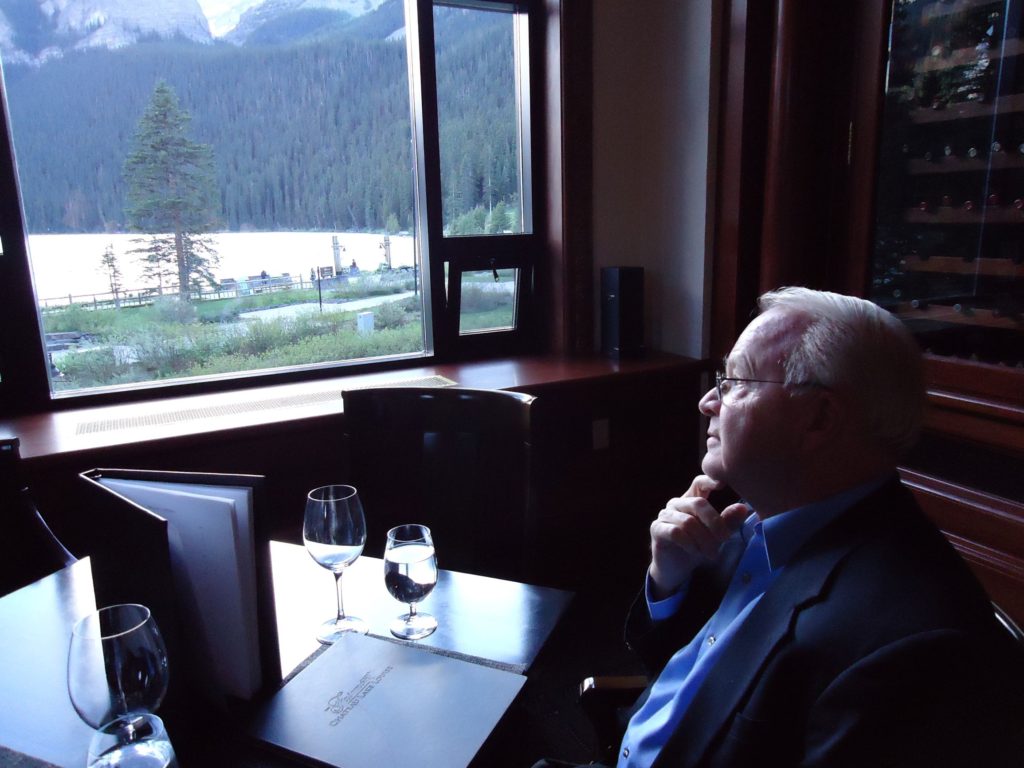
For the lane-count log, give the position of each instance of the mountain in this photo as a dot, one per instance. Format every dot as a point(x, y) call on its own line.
point(223, 15)
point(283, 21)
point(309, 136)
point(34, 31)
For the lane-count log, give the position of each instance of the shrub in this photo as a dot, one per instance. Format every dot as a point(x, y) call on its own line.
point(476, 299)
point(171, 309)
point(394, 314)
point(90, 368)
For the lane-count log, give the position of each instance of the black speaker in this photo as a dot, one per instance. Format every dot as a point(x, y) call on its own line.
point(622, 311)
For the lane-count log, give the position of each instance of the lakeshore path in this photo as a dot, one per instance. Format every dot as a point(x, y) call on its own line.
point(294, 310)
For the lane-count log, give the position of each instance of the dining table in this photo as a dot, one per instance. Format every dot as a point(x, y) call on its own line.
point(495, 622)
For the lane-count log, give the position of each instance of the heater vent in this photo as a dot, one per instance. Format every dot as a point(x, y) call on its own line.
point(186, 415)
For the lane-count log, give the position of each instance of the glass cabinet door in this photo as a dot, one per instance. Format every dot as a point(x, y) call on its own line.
point(949, 244)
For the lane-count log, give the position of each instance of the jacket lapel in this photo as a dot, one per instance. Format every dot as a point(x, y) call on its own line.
point(801, 583)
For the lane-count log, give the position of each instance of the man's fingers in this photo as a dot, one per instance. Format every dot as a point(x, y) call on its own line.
point(702, 486)
point(720, 526)
point(689, 536)
point(734, 516)
point(691, 524)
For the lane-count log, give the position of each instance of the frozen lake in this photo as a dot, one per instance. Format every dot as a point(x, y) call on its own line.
point(72, 264)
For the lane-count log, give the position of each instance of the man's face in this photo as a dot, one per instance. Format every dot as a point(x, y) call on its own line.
point(753, 436)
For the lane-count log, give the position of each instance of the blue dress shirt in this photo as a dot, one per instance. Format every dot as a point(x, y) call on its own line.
point(769, 546)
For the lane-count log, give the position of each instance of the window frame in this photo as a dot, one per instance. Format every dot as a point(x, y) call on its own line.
point(25, 386)
point(470, 253)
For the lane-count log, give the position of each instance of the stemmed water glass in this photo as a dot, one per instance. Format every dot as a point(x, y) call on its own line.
point(410, 573)
point(334, 532)
point(117, 678)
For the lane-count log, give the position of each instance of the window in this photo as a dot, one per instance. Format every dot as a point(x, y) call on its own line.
point(214, 198)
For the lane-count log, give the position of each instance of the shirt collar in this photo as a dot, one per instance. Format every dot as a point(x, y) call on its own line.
point(785, 533)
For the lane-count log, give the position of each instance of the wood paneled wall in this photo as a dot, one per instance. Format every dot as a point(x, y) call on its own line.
point(987, 530)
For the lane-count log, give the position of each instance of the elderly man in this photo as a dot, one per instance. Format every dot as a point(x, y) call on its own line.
point(821, 620)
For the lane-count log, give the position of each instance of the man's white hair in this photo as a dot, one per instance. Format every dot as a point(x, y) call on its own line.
point(856, 347)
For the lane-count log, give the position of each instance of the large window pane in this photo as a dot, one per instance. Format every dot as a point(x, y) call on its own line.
point(201, 205)
point(479, 56)
point(950, 221)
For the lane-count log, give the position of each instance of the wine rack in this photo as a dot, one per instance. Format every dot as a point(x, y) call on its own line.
point(949, 248)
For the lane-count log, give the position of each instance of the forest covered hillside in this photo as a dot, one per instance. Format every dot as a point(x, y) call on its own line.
point(308, 131)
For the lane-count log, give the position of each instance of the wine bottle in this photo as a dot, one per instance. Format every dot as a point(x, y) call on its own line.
point(28, 548)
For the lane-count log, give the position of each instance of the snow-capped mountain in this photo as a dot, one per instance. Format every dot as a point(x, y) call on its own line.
point(32, 32)
point(269, 11)
point(223, 15)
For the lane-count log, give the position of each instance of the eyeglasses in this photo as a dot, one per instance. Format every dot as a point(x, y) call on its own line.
point(723, 383)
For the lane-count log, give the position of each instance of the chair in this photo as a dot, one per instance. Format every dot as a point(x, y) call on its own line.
point(607, 701)
point(1009, 624)
point(457, 460)
point(29, 550)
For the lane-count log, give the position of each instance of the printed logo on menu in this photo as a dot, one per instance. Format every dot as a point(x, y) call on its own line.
point(341, 703)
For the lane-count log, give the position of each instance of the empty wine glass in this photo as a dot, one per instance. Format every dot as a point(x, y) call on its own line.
point(334, 532)
point(410, 573)
point(117, 678)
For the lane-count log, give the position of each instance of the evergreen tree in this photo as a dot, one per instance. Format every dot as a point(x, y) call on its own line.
point(171, 192)
point(497, 221)
point(158, 257)
point(110, 266)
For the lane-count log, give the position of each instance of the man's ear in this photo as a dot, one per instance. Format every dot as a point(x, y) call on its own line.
point(823, 418)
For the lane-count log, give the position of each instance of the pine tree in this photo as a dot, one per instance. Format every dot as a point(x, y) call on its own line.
point(171, 192)
point(158, 259)
point(110, 266)
point(497, 221)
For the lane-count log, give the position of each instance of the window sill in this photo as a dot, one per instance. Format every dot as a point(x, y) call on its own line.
point(52, 437)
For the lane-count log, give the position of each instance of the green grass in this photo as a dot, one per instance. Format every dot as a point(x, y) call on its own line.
point(172, 339)
point(494, 318)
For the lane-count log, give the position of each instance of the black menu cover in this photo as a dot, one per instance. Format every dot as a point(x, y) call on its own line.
point(133, 561)
point(367, 702)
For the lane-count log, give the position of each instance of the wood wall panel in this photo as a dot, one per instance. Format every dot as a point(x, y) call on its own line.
point(987, 530)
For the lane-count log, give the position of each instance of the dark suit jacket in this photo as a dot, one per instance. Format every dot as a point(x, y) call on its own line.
point(875, 647)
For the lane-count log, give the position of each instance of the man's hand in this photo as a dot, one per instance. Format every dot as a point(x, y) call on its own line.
point(689, 532)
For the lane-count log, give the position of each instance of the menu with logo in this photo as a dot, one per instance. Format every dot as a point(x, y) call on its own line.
point(366, 702)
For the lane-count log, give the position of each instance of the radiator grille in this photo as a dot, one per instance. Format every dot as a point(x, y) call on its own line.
point(185, 415)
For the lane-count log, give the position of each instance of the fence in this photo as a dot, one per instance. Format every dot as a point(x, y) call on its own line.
point(229, 288)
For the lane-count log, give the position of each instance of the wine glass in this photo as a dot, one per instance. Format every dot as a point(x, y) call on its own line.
point(334, 532)
point(410, 573)
point(117, 677)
